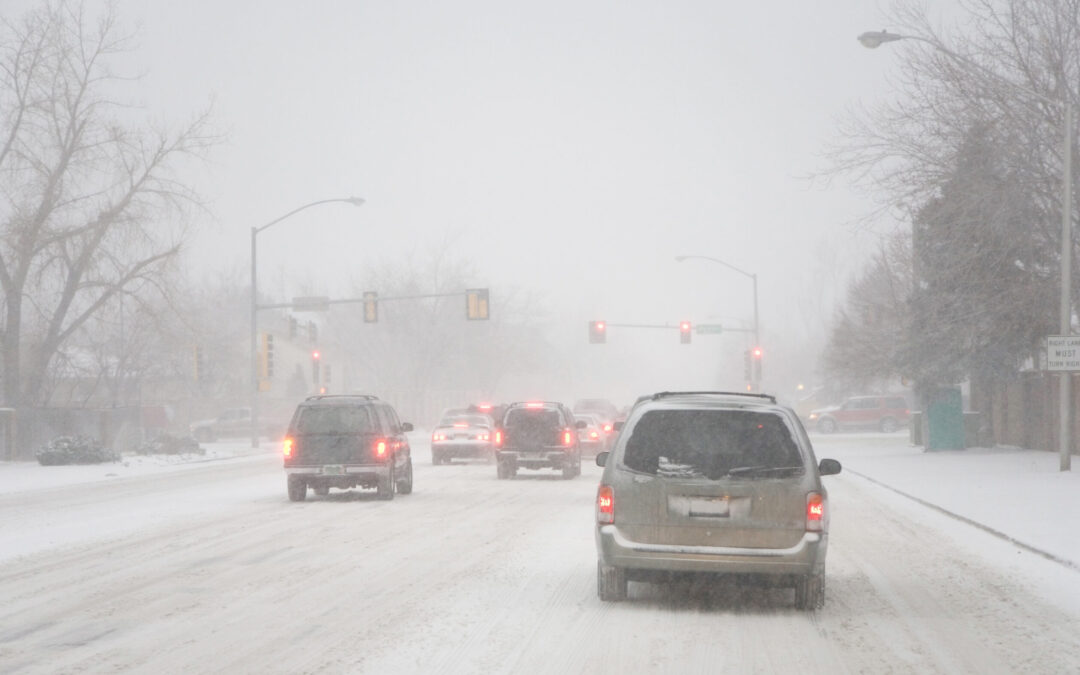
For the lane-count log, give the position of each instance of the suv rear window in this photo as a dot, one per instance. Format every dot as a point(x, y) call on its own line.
point(335, 419)
point(711, 444)
point(532, 418)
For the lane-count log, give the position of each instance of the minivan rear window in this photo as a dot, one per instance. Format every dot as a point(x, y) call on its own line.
point(712, 444)
point(334, 420)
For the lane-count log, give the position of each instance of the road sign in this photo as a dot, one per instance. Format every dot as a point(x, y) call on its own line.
point(318, 303)
point(703, 328)
point(1063, 353)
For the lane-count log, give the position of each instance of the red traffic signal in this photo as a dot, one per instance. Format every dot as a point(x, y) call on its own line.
point(684, 332)
point(598, 332)
point(756, 352)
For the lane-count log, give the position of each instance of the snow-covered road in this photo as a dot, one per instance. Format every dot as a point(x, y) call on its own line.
point(212, 569)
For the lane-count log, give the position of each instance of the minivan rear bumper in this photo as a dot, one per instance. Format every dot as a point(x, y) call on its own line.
point(806, 556)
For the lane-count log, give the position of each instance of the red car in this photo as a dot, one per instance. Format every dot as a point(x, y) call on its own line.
point(881, 413)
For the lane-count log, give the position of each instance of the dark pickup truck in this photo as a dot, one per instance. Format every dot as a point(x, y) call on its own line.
point(538, 435)
point(345, 442)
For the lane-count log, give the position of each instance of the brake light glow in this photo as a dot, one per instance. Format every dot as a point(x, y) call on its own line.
point(815, 512)
point(438, 436)
point(593, 434)
point(534, 404)
point(484, 436)
point(567, 438)
point(287, 448)
point(605, 505)
point(380, 448)
point(484, 406)
point(608, 428)
point(461, 425)
point(498, 437)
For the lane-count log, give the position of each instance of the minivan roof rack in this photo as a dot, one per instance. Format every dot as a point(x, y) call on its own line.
point(665, 394)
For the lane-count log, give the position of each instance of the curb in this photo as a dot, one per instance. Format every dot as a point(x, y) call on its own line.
point(968, 521)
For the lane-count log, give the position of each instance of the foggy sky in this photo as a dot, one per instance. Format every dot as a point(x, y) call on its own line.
point(572, 148)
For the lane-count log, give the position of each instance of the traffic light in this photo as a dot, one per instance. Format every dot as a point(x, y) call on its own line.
point(598, 332)
point(326, 374)
point(684, 332)
point(315, 367)
point(757, 353)
point(267, 356)
point(371, 307)
point(476, 304)
point(313, 331)
point(198, 364)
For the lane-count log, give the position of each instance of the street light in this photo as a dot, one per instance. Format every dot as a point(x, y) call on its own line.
point(753, 277)
point(355, 201)
point(874, 39)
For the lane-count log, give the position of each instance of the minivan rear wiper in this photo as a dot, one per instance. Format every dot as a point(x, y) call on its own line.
point(764, 470)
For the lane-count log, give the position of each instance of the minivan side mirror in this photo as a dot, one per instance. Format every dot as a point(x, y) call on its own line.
point(828, 467)
point(406, 426)
point(601, 458)
point(580, 424)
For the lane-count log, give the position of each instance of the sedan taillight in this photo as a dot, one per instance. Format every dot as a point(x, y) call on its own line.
point(605, 505)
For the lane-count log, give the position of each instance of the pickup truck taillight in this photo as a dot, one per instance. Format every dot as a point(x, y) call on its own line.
point(605, 505)
point(287, 448)
point(815, 512)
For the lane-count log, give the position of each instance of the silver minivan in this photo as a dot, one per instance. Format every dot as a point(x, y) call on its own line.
point(712, 482)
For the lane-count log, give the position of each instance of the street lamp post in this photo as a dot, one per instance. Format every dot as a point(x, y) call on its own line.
point(874, 39)
point(753, 277)
point(355, 201)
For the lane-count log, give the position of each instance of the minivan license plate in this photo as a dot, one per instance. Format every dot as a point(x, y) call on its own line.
point(333, 470)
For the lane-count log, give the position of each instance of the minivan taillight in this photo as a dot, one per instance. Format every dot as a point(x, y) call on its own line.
point(287, 448)
point(815, 512)
point(605, 505)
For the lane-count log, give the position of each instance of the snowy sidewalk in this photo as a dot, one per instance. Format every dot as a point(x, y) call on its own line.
point(29, 475)
point(1018, 493)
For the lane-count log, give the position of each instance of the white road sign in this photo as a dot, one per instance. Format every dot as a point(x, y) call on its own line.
point(1063, 353)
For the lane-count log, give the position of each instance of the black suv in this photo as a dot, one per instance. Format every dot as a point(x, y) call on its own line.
point(344, 442)
point(537, 435)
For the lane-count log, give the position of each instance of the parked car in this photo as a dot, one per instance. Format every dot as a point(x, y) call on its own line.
point(464, 435)
point(347, 441)
point(883, 413)
point(712, 483)
point(537, 435)
point(232, 423)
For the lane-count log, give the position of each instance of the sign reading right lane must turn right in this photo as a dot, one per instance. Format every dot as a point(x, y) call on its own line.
point(1063, 353)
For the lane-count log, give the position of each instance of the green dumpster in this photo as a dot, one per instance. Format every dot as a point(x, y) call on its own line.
point(945, 420)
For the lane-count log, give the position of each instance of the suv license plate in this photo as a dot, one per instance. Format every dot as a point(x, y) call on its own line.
point(333, 470)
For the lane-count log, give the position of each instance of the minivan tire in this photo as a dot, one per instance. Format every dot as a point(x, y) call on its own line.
point(297, 489)
point(810, 592)
point(610, 583)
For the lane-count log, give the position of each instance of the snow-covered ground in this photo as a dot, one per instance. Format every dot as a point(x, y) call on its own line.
point(1018, 493)
point(207, 567)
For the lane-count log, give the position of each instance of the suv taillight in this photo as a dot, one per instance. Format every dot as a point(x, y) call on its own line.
point(605, 505)
point(815, 512)
point(498, 438)
point(287, 448)
point(567, 438)
point(380, 448)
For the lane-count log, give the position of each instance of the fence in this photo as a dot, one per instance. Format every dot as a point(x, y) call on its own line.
point(1024, 412)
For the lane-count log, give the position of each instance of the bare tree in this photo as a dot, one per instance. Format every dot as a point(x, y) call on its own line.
point(90, 202)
